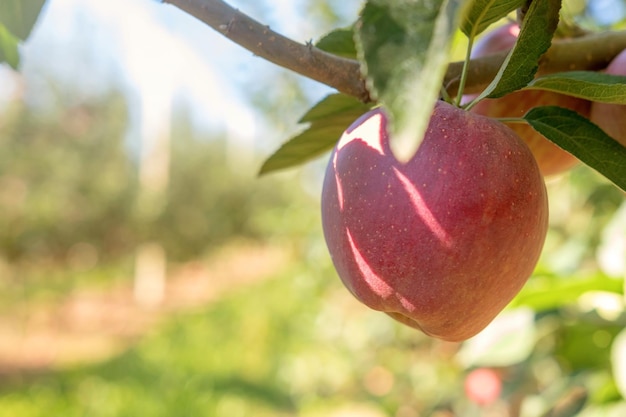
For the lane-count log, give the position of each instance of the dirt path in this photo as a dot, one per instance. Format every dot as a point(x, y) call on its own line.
point(93, 325)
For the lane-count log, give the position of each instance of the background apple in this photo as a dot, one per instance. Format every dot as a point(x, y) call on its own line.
point(483, 386)
point(550, 158)
point(445, 241)
point(612, 117)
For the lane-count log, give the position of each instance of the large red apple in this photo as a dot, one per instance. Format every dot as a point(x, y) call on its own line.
point(612, 117)
point(445, 241)
point(550, 158)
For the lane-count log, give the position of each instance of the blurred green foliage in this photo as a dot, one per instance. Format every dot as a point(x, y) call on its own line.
point(69, 179)
point(72, 212)
point(65, 178)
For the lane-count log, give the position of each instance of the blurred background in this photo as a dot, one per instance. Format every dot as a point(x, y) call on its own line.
point(145, 268)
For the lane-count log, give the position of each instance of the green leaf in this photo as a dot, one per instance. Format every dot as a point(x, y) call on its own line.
point(543, 293)
point(9, 52)
point(589, 85)
point(333, 105)
point(534, 39)
point(583, 139)
point(329, 119)
point(339, 42)
point(19, 16)
point(405, 48)
point(482, 13)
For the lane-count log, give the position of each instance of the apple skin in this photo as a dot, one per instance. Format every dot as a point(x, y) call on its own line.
point(551, 159)
point(612, 117)
point(445, 241)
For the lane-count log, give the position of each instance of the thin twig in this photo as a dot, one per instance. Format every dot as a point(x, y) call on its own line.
point(591, 52)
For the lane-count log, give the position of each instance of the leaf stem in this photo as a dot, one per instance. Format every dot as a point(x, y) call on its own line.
point(464, 71)
point(511, 120)
point(445, 96)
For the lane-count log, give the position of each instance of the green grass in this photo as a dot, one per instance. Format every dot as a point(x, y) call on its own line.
point(297, 344)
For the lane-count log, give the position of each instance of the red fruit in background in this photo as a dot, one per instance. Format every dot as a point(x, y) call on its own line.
point(550, 158)
point(483, 386)
point(445, 241)
point(612, 117)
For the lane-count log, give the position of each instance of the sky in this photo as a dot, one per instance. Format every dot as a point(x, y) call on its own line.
point(156, 54)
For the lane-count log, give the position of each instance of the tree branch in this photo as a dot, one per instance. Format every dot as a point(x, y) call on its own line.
point(590, 52)
point(305, 59)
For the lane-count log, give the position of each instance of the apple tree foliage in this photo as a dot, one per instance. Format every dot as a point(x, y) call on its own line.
point(403, 51)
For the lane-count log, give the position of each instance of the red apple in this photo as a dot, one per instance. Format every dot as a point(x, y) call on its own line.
point(550, 158)
point(612, 117)
point(445, 241)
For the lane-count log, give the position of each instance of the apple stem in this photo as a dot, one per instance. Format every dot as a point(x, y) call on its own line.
point(464, 71)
